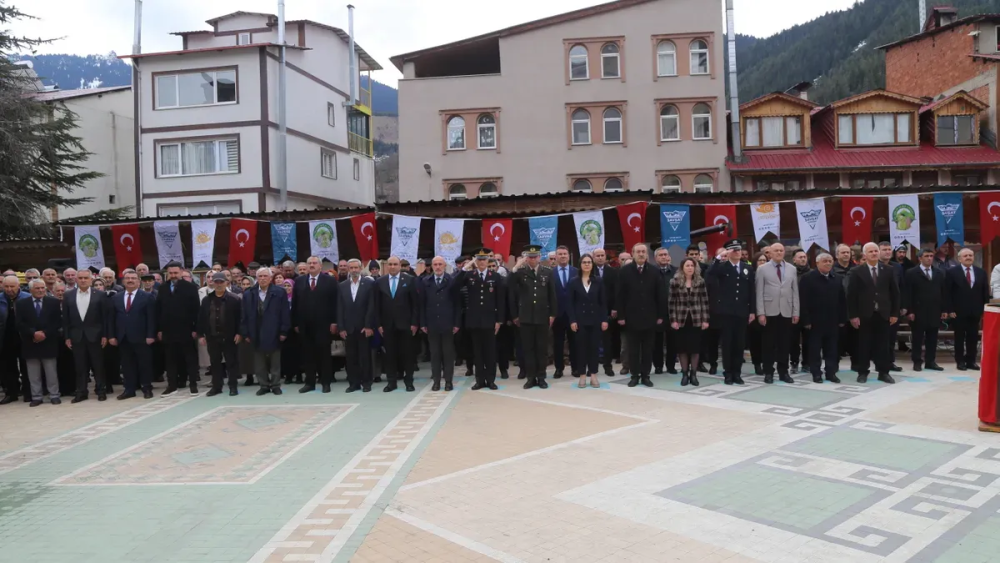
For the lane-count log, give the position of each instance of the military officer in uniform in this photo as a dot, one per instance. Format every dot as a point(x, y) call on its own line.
point(483, 315)
point(533, 306)
point(730, 296)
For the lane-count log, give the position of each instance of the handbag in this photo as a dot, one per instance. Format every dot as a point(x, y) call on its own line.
point(338, 349)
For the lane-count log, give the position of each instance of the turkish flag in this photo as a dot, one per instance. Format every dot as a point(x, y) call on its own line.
point(718, 215)
point(242, 241)
point(856, 215)
point(128, 253)
point(367, 237)
point(497, 235)
point(633, 220)
point(989, 216)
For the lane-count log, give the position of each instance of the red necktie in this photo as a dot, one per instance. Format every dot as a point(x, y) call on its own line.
point(779, 273)
point(968, 276)
point(312, 283)
point(128, 303)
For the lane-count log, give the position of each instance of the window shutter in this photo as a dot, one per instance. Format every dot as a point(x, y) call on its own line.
point(232, 155)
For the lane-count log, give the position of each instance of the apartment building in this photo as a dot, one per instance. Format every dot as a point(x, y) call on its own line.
point(621, 96)
point(207, 133)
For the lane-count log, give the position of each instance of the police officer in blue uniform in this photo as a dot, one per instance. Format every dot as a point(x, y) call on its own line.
point(731, 297)
point(483, 315)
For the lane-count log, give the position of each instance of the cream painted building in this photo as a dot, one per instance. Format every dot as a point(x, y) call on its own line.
point(626, 95)
point(208, 129)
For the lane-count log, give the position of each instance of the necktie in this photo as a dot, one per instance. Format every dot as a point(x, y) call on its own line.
point(312, 283)
point(779, 273)
point(875, 275)
point(968, 276)
point(171, 287)
point(128, 302)
point(38, 307)
point(600, 272)
point(564, 275)
point(927, 271)
point(437, 280)
point(392, 289)
point(640, 269)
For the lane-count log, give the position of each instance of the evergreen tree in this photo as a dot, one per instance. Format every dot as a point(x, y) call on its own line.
point(41, 161)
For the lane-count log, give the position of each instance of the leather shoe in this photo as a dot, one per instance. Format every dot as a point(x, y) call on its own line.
point(378, 379)
point(863, 378)
point(366, 389)
point(389, 388)
point(960, 366)
point(233, 392)
point(148, 394)
point(633, 382)
point(817, 379)
point(307, 389)
point(55, 401)
point(973, 367)
point(521, 374)
point(78, 398)
point(738, 379)
point(694, 379)
point(352, 389)
point(608, 371)
point(934, 367)
point(126, 395)
point(646, 381)
point(558, 375)
point(435, 387)
point(916, 367)
point(263, 391)
point(713, 370)
point(326, 388)
point(833, 379)
point(543, 385)
point(170, 390)
point(503, 374)
point(685, 380)
point(410, 388)
point(8, 399)
point(769, 379)
point(493, 387)
point(758, 369)
point(624, 371)
point(276, 390)
point(34, 403)
point(449, 387)
point(785, 378)
point(895, 368)
point(477, 387)
point(658, 371)
point(886, 378)
point(529, 384)
point(672, 371)
point(727, 379)
point(102, 397)
point(213, 392)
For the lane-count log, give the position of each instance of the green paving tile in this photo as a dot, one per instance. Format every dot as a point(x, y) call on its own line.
point(981, 545)
point(875, 448)
point(788, 396)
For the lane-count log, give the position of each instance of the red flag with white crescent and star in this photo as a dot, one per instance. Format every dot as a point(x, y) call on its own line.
point(718, 215)
point(633, 220)
point(497, 235)
point(366, 236)
point(989, 216)
point(242, 241)
point(856, 214)
point(128, 253)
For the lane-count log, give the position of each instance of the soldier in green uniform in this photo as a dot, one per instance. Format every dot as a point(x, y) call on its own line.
point(533, 306)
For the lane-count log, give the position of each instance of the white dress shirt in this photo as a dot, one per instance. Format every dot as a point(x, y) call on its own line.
point(970, 272)
point(354, 289)
point(83, 302)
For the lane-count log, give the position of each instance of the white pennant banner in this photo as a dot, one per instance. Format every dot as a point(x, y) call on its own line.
point(405, 237)
point(168, 242)
point(589, 230)
point(811, 214)
point(323, 240)
point(448, 239)
point(766, 218)
point(202, 242)
point(904, 220)
point(89, 250)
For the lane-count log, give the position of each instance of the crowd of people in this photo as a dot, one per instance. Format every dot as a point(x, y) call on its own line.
point(65, 333)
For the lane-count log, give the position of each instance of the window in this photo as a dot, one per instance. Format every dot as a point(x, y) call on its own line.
point(772, 130)
point(846, 126)
point(956, 129)
point(875, 129)
point(793, 131)
point(752, 133)
point(703, 183)
point(487, 131)
point(357, 169)
point(582, 185)
point(671, 184)
point(670, 124)
point(193, 158)
point(112, 198)
point(243, 39)
point(666, 59)
point(205, 88)
point(456, 134)
point(699, 57)
point(610, 61)
point(903, 128)
point(613, 185)
point(328, 164)
point(489, 189)
point(612, 126)
point(456, 191)
point(581, 127)
point(331, 114)
point(578, 63)
point(702, 121)
point(199, 209)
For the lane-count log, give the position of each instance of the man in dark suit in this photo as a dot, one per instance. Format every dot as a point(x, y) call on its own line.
point(13, 372)
point(885, 256)
point(610, 339)
point(39, 321)
point(219, 320)
point(356, 321)
point(135, 332)
point(873, 306)
point(967, 292)
point(823, 304)
point(563, 272)
point(397, 313)
point(641, 309)
point(87, 326)
point(923, 303)
point(484, 316)
point(440, 319)
point(265, 322)
point(664, 351)
point(177, 307)
point(732, 304)
point(314, 315)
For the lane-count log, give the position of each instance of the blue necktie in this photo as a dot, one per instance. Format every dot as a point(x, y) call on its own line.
point(392, 289)
point(564, 275)
point(171, 287)
point(38, 307)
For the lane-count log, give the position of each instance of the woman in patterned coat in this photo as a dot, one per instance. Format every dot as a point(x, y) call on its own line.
point(689, 317)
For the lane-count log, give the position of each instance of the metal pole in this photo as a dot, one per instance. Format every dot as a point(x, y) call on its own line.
point(137, 119)
point(282, 124)
point(734, 95)
point(923, 15)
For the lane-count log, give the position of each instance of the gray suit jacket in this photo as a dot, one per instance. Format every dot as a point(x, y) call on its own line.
point(776, 298)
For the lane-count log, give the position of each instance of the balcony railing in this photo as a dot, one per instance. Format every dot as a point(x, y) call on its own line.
point(359, 144)
point(364, 98)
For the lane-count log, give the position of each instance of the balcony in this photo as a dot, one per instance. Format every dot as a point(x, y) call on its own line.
point(360, 144)
point(364, 101)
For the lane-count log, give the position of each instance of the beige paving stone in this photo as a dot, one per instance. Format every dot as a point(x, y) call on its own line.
point(394, 540)
point(47, 421)
point(953, 406)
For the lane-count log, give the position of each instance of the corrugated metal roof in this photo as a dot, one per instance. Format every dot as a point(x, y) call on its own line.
point(289, 215)
point(59, 95)
point(208, 50)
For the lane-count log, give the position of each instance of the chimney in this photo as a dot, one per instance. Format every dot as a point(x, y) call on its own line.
point(734, 95)
point(353, 55)
point(923, 14)
point(801, 90)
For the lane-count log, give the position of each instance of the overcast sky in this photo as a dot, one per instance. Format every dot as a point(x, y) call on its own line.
point(384, 27)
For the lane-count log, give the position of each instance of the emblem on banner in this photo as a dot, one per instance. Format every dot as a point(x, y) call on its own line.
point(811, 217)
point(591, 231)
point(405, 234)
point(89, 246)
point(323, 235)
point(948, 211)
point(674, 218)
point(903, 216)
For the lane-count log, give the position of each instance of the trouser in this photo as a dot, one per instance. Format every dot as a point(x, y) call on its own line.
point(923, 338)
point(608, 340)
point(640, 351)
point(847, 341)
point(157, 360)
point(359, 359)
point(535, 342)
point(755, 344)
point(623, 336)
point(710, 340)
point(442, 346)
point(823, 346)
point(664, 349)
point(774, 344)
point(732, 331)
point(504, 345)
point(799, 342)
point(873, 345)
point(893, 340)
point(398, 355)
point(316, 359)
point(137, 365)
point(267, 367)
point(112, 365)
point(87, 357)
point(66, 369)
point(35, 368)
point(484, 355)
point(966, 339)
point(185, 351)
point(463, 349)
point(223, 357)
point(588, 341)
point(12, 368)
point(561, 334)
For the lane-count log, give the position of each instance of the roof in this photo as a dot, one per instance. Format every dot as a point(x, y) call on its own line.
point(874, 93)
point(207, 50)
point(291, 214)
point(960, 94)
point(565, 17)
point(235, 14)
point(60, 95)
point(787, 97)
point(957, 23)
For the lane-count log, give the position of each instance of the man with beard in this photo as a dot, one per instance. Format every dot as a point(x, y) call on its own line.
point(134, 334)
point(823, 307)
point(440, 319)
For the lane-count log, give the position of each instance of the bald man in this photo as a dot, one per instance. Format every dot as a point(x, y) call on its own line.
point(872, 306)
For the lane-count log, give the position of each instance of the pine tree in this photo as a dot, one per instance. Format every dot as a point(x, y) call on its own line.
point(41, 160)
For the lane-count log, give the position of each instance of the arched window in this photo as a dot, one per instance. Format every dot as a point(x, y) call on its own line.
point(701, 120)
point(581, 127)
point(489, 189)
point(583, 186)
point(487, 131)
point(613, 185)
point(699, 57)
point(578, 68)
point(612, 125)
point(610, 61)
point(666, 59)
point(671, 184)
point(456, 191)
point(456, 134)
point(703, 183)
point(670, 123)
